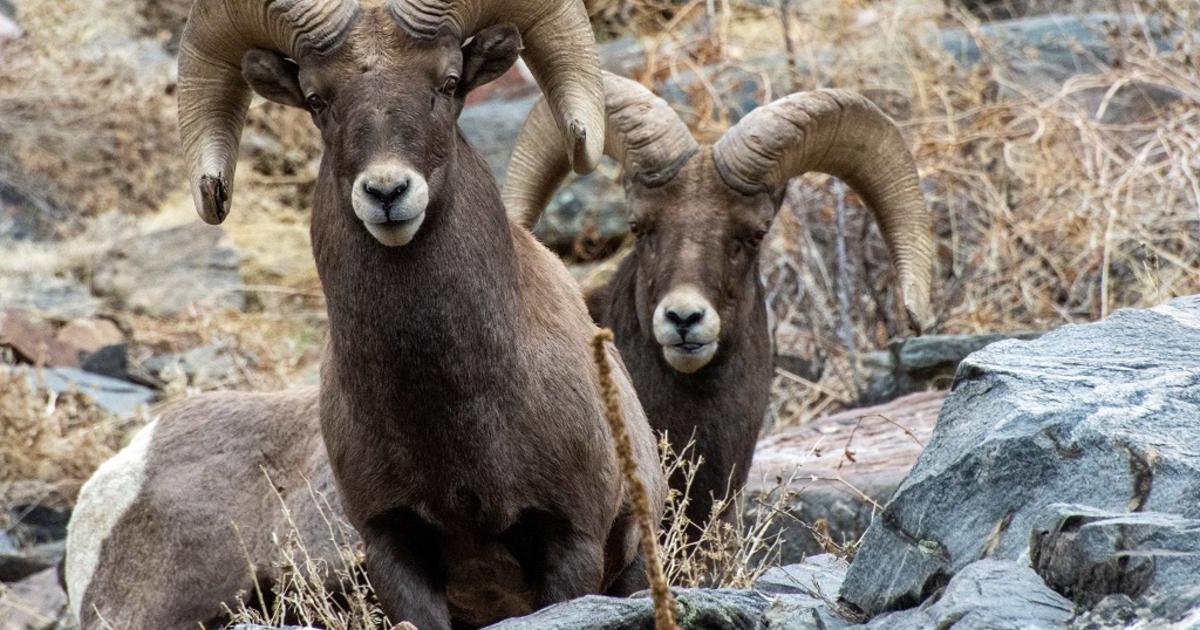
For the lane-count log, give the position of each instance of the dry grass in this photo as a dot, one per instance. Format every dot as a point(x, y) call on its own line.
point(312, 593)
point(98, 136)
point(729, 553)
point(50, 444)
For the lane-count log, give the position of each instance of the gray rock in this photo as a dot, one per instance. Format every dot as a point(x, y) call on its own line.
point(111, 361)
point(829, 487)
point(52, 296)
point(26, 212)
point(36, 524)
point(36, 603)
point(803, 595)
point(589, 207)
point(18, 564)
point(1104, 414)
point(193, 267)
point(117, 397)
point(1063, 46)
point(9, 29)
point(818, 577)
point(986, 595)
point(1174, 609)
point(916, 364)
point(797, 612)
point(251, 626)
point(699, 609)
point(1089, 554)
point(209, 364)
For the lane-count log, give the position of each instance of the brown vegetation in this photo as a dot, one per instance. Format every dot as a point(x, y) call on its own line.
point(50, 444)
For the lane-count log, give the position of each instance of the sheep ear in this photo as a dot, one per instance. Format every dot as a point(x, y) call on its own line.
point(273, 76)
point(489, 54)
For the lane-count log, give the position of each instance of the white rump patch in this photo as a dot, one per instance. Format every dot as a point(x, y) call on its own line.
point(103, 500)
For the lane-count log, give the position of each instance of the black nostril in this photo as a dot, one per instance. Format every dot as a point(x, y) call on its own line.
point(681, 321)
point(386, 195)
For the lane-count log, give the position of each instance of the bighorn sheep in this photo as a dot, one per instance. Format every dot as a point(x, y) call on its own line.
point(691, 285)
point(459, 406)
point(182, 519)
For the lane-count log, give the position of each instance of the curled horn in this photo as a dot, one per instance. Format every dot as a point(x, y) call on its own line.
point(559, 48)
point(213, 96)
point(845, 135)
point(643, 134)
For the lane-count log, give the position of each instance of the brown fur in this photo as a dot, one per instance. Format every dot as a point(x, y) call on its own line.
point(695, 229)
point(459, 405)
point(206, 514)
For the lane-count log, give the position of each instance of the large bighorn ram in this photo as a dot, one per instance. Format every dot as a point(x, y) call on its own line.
point(459, 405)
point(691, 284)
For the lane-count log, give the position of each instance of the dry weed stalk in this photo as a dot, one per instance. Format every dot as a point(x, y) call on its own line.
point(731, 553)
point(664, 601)
point(311, 592)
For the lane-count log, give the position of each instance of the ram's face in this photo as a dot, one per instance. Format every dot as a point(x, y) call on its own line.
point(387, 106)
point(697, 251)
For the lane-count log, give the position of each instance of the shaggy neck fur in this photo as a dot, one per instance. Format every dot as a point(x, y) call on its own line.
point(424, 329)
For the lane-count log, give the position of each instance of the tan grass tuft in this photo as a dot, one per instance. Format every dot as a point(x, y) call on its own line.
point(51, 443)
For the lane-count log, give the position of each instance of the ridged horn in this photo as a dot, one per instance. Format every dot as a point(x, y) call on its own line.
point(842, 134)
point(213, 96)
point(643, 133)
point(559, 48)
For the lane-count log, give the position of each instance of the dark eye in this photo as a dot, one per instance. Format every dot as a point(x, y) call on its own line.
point(450, 86)
point(314, 102)
point(639, 229)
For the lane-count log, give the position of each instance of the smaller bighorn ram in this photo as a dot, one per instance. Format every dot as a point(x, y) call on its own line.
point(459, 405)
point(687, 305)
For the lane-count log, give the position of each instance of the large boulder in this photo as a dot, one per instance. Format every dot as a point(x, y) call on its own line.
point(916, 364)
point(840, 468)
point(986, 595)
point(1105, 415)
point(1088, 554)
point(190, 268)
point(699, 609)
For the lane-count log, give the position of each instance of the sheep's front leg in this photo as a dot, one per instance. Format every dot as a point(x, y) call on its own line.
point(563, 562)
point(574, 568)
point(631, 579)
point(404, 565)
